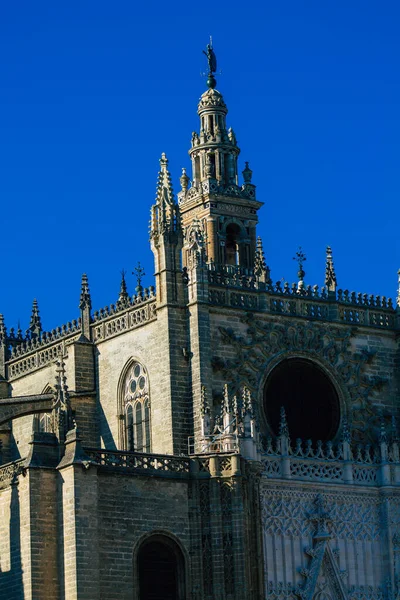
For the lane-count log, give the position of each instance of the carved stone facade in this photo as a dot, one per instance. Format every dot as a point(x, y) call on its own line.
point(216, 436)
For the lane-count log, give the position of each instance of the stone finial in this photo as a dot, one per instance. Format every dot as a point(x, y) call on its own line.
point(85, 299)
point(123, 298)
point(35, 325)
point(3, 331)
point(261, 269)
point(85, 305)
point(283, 424)
point(62, 420)
point(398, 289)
point(226, 403)
point(330, 275)
point(247, 173)
point(204, 404)
point(184, 181)
point(247, 402)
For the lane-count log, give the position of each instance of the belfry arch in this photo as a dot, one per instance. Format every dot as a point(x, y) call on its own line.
point(159, 569)
point(309, 397)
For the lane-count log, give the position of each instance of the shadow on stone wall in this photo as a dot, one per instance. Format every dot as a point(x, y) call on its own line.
point(11, 585)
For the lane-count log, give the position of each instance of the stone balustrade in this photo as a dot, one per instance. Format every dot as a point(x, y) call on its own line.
point(329, 463)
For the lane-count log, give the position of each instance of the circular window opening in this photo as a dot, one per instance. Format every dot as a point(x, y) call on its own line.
point(308, 396)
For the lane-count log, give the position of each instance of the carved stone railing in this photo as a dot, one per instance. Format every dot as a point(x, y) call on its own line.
point(201, 466)
point(10, 471)
point(234, 298)
point(157, 464)
point(132, 317)
point(23, 346)
point(236, 287)
point(28, 355)
point(36, 359)
point(119, 307)
point(329, 463)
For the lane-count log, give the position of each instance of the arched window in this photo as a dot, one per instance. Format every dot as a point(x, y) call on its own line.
point(136, 409)
point(309, 397)
point(160, 570)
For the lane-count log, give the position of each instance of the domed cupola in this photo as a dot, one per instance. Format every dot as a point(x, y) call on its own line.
point(214, 150)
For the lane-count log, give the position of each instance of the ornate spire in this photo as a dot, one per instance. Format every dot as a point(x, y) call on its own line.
point(164, 213)
point(204, 404)
point(85, 300)
point(123, 298)
point(62, 420)
point(330, 275)
point(35, 325)
point(261, 270)
point(3, 331)
point(184, 181)
point(85, 305)
point(165, 193)
point(226, 405)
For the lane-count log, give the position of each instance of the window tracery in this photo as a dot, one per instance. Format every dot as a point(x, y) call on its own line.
point(136, 406)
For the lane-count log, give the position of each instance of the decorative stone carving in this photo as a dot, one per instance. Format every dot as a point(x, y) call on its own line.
point(267, 340)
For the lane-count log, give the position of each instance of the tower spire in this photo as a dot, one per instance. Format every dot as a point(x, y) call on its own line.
point(330, 275)
point(35, 325)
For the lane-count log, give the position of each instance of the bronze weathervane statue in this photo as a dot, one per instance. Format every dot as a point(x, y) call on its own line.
point(212, 64)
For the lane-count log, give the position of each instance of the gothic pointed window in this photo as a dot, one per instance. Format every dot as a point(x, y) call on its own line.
point(136, 409)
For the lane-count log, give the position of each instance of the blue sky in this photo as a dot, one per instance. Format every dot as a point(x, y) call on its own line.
point(91, 94)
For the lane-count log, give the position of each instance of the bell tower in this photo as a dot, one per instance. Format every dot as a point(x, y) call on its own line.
point(217, 207)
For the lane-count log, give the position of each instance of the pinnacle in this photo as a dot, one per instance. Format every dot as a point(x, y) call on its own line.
point(165, 193)
point(35, 325)
point(85, 300)
point(330, 275)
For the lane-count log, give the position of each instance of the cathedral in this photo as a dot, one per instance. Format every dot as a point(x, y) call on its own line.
point(216, 436)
